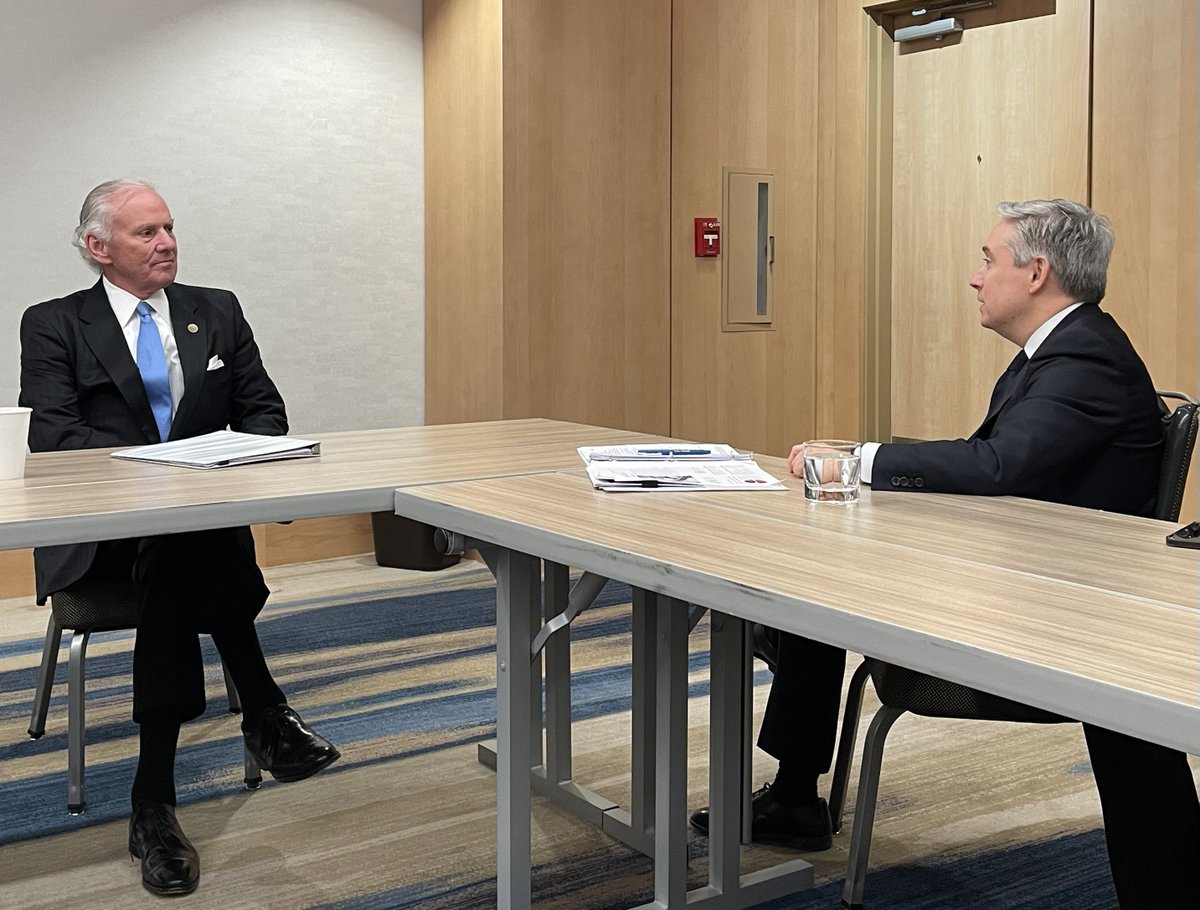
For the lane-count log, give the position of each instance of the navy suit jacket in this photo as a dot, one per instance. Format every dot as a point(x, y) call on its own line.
point(85, 390)
point(1079, 424)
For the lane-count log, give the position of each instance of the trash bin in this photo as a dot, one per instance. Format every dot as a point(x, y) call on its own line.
point(402, 543)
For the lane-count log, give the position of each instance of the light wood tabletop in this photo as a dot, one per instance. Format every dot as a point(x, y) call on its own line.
point(68, 497)
point(1084, 613)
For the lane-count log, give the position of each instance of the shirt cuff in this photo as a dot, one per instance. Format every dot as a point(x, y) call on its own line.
point(867, 460)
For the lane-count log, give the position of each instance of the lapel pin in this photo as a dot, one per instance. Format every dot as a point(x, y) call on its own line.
point(193, 328)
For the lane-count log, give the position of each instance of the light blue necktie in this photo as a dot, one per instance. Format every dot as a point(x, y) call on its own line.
point(153, 367)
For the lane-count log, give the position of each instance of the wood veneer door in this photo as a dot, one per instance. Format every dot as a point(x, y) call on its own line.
point(774, 86)
point(1000, 115)
point(1145, 143)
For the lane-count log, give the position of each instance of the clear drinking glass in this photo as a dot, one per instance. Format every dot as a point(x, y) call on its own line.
point(831, 471)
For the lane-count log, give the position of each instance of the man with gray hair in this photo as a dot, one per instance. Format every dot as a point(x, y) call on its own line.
point(138, 359)
point(1075, 420)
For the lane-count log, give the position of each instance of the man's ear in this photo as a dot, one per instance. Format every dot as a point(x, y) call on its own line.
point(1039, 273)
point(98, 249)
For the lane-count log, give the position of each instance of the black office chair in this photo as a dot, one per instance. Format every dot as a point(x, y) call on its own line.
point(906, 691)
point(93, 604)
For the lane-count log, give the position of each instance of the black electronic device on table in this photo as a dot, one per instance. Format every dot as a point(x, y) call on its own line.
point(1187, 536)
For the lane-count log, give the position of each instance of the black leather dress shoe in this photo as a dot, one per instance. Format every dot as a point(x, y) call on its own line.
point(170, 864)
point(800, 828)
point(285, 745)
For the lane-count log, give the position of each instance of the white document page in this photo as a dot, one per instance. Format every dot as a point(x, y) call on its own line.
point(637, 476)
point(223, 449)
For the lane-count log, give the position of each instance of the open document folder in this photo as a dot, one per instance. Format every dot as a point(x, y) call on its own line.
point(223, 449)
point(680, 467)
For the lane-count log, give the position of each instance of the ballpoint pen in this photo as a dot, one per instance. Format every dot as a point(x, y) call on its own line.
point(674, 451)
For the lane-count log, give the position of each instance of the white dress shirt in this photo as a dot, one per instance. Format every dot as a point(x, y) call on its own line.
point(867, 455)
point(124, 307)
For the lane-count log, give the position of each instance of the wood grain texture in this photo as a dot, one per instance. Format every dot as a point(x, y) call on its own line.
point(1145, 145)
point(547, 155)
point(1001, 115)
point(587, 144)
point(464, 265)
point(1103, 652)
point(770, 86)
point(316, 538)
point(356, 472)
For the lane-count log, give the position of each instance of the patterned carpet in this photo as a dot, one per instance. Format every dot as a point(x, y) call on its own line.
point(397, 668)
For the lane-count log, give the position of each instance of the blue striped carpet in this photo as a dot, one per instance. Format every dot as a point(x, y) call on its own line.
point(402, 675)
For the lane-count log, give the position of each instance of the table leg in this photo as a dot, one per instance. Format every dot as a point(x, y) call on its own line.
point(517, 606)
point(726, 750)
point(670, 758)
point(556, 588)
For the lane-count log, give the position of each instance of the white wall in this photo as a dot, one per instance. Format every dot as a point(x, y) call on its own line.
point(287, 138)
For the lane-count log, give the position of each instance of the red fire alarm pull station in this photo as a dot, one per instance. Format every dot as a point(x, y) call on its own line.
point(708, 237)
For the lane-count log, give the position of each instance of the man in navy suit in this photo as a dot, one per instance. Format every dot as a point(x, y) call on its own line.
point(1074, 419)
point(138, 359)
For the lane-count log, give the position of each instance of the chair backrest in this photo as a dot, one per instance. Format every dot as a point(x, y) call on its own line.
point(1179, 439)
point(96, 603)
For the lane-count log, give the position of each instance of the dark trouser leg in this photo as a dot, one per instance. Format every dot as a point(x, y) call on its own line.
point(1151, 820)
point(801, 719)
point(204, 581)
point(155, 778)
point(242, 654)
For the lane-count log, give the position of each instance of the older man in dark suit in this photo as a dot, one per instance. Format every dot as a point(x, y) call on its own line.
point(138, 359)
point(1074, 419)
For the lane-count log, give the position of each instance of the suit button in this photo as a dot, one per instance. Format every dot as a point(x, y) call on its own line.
point(906, 482)
point(895, 481)
point(919, 482)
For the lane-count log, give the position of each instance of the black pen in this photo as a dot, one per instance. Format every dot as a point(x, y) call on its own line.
point(674, 451)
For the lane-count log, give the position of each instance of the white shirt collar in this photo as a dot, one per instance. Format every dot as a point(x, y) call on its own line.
point(123, 303)
point(1043, 331)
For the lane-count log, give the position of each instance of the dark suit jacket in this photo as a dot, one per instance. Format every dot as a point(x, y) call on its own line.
point(85, 390)
point(1078, 424)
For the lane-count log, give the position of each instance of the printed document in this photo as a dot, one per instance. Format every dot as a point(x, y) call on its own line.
point(223, 449)
point(678, 467)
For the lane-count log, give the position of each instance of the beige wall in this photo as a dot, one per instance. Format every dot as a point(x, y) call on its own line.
point(1145, 145)
point(774, 86)
point(464, 262)
point(1003, 114)
point(615, 122)
point(547, 262)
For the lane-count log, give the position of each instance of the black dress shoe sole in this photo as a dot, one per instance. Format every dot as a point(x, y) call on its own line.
point(813, 843)
point(792, 842)
point(320, 765)
point(165, 890)
point(171, 890)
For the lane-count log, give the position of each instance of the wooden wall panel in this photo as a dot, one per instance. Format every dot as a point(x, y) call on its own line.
point(1144, 178)
point(587, 141)
point(841, 221)
point(1001, 115)
point(16, 573)
point(766, 86)
point(464, 266)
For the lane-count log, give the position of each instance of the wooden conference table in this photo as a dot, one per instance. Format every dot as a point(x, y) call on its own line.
point(70, 497)
point(1084, 613)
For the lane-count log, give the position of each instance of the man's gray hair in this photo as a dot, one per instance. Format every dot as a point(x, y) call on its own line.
point(1075, 241)
point(97, 213)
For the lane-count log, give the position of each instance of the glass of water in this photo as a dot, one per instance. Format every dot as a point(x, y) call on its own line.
point(831, 471)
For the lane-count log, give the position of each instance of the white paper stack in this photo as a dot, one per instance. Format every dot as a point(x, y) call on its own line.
point(675, 467)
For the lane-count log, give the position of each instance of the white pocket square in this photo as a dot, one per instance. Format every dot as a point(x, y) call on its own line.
point(214, 364)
